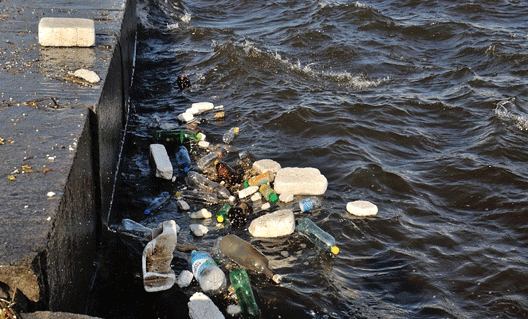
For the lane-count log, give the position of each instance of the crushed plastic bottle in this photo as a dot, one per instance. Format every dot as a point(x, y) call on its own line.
point(203, 196)
point(207, 160)
point(246, 299)
point(210, 277)
point(157, 202)
point(244, 254)
point(230, 135)
point(258, 180)
point(198, 181)
point(157, 256)
point(222, 213)
point(136, 228)
point(309, 203)
point(316, 235)
point(269, 193)
point(183, 160)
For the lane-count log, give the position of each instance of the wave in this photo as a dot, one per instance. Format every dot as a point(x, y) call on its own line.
point(520, 121)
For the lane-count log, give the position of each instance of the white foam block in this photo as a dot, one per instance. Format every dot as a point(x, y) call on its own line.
point(185, 278)
point(276, 224)
point(201, 307)
point(243, 193)
point(264, 165)
point(66, 32)
point(161, 161)
point(362, 208)
point(300, 181)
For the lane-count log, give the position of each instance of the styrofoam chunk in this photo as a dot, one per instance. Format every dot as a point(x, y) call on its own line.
point(243, 193)
point(66, 32)
point(198, 230)
point(87, 75)
point(286, 197)
point(300, 181)
point(362, 208)
point(201, 306)
point(201, 107)
point(183, 204)
point(276, 224)
point(256, 197)
point(202, 213)
point(184, 278)
point(203, 144)
point(161, 161)
point(264, 165)
point(186, 117)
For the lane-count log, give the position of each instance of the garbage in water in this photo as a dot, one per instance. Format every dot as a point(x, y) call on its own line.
point(235, 193)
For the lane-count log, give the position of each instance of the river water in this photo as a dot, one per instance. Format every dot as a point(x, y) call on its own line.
point(419, 107)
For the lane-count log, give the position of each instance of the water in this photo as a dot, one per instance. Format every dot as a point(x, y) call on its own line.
point(417, 106)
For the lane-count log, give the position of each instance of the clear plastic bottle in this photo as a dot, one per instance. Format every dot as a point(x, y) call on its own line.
point(230, 135)
point(211, 278)
point(269, 193)
point(183, 159)
point(246, 299)
point(226, 173)
point(210, 198)
point(316, 235)
point(198, 181)
point(309, 203)
point(157, 202)
point(222, 213)
point(258, 180)
point(208, 160)
point(244, 254)
point(136, 228)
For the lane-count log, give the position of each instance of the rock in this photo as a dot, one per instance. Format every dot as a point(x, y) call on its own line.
point(276, 224)
point(243, 193)
point(300, 181)
point(198, 229)
point(66, 32)
point(362, 208)
point(202, 213)
point(157, 256)
point(185, 278)
point(183, 205)
point(201, 307)
point(161, 161)
point(264, 165)
point(87, 75)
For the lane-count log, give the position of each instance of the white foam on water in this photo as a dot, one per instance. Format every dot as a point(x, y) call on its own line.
point(519, 121)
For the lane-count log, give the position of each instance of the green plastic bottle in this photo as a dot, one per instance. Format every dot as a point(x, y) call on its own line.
point(269, 194)
point(246, 299)
point(222, 213)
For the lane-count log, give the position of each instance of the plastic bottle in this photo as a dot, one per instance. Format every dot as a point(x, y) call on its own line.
point(230, 135)
point(183, 159)
point(246, 300)
point(309, 203)
point(269, 193)
point(258, 180)
point(136, 228)
point(222, 213)
point(198, 181)
point(157, 202)
point(244, 254)
point(210, 277)
point(207, 160)
point(315, 234)
point(226, 173)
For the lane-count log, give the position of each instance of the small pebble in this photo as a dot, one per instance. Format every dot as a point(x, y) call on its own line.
point(285, 254)
point(233, 310)
point(87, 75)
point(183, 204)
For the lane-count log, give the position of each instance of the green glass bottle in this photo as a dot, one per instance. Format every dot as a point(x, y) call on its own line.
point(246, 299)
point(179, 137)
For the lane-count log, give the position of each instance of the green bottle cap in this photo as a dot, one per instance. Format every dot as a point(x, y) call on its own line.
point(246, 185)
point(273, 198)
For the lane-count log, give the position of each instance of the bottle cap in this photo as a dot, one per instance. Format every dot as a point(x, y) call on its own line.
point(220, 219)
point(335, 250)
point(277, 278)
point(273, 198)
point(147, 211)
point(186, 169)
point(246, 185)
point(236, 129)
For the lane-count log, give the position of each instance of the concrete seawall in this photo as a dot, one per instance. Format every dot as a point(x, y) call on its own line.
point(59, 144)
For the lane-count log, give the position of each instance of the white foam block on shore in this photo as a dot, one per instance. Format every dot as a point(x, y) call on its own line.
point(276, 224)
point(201, 307)
point(161, 161)
point(300, 181)
point(66, 32)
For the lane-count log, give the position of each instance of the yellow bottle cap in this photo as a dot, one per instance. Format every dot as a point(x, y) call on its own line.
point(335, 250)
point(220, 219)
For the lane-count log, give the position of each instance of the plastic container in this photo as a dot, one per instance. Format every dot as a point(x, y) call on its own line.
point(183, 159)
point(222, 213)
point(201, 196)
point(157, 202)
point(316, 235)
point(136, 228)
point(207, 160)
point(230, 135)
point(269, 194)
point(211, 278)
point(244, 254)
point(246, 299)
point(198, 181)
point(258, 180)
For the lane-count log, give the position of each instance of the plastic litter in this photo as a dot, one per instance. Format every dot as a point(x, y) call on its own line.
point(276, 224)
point(246, 300)
point(362, 208)
point(157, 202)
point(161, 161)
point(230, 135)
point(202, 307)
point(316, 235)
point(210, 277)
point(198, 181)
